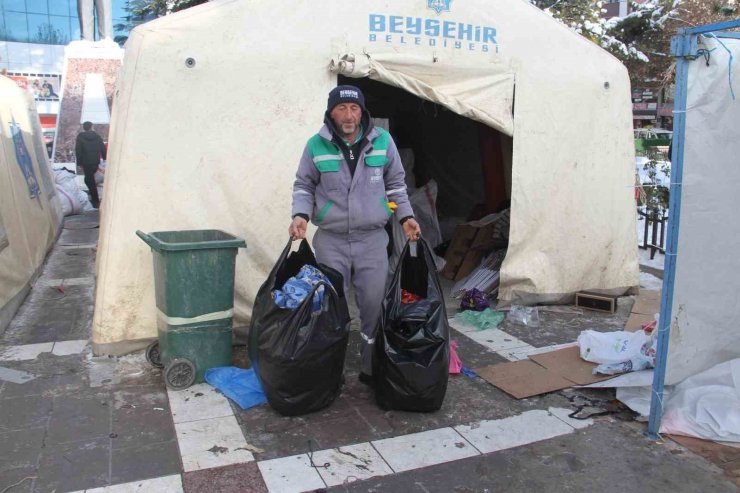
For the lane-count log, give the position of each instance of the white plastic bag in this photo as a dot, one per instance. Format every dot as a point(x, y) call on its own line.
point(645, 359)
point(71, 197)
point(611, 347)
point(524, 315)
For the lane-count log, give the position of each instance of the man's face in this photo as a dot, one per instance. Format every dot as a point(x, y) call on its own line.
point(347, 117)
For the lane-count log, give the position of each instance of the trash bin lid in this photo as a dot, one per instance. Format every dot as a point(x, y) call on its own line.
point(195, 239)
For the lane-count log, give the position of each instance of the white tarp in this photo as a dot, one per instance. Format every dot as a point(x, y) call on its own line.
point(215, 103)
point(30, 213)
point(705, 322)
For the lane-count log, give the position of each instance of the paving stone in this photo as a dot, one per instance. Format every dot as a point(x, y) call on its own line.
point(80, 416)
point(164, 484)
point(407, 452)
point(25, 352)
point(41, 385)
point(71, 237)
point(201, 401)
point(67, 348)
point(22, 413)
point(559, 328)
point(141, 416)
point(72, 381)
point(147, 461)
point(290, 474)
point(472, 354)
point(20, 448)
point(23, 477)
point(18, 377)
point(497, 340)
point(70, 263)
point(212, 442)
point(604, 458)
point(528, 427)
point(350, 463)
point(278, 436)
point(74, 466)
point(238, 478)
point(45, 322)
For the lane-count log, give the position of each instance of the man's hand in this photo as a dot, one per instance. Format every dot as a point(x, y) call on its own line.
point(297, 229)
point(412, 229)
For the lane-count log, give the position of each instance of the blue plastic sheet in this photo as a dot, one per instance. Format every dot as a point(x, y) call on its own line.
point(297, 288)
point(240, 385)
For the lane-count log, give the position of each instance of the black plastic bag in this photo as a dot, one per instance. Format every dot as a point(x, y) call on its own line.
point(412, 350)
point(298, 354)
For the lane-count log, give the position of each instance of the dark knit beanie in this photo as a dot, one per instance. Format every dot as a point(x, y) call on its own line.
point(345, 94)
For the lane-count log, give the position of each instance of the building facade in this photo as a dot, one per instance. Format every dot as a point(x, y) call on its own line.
point(33, 36)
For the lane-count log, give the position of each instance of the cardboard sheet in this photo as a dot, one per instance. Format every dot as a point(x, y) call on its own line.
point(647, 303)
point(643, 312)
point(542, 373)
point(522, 379)
point(568, 364)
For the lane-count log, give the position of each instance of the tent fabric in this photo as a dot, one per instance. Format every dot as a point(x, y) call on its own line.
point(705, 321)
point(215, 103)
point(482, 95)
point(30, 213)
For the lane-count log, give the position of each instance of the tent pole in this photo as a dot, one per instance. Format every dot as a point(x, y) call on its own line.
point(681, 48)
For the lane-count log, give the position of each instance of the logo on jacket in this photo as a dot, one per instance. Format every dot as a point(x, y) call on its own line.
point(439, 6)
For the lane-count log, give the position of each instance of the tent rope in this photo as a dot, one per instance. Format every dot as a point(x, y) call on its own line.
point(729, 71)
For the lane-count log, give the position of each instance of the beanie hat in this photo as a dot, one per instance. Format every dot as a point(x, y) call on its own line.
point(345, 94)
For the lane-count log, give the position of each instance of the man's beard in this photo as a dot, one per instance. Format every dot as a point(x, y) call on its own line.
point(348, 128)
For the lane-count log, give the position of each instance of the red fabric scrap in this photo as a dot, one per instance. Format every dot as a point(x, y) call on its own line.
point(408, 298)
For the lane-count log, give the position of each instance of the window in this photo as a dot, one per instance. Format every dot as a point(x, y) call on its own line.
point(60, 26)
point(16, 27)
point(61, 7)
point(37, 6)
point(14, 5)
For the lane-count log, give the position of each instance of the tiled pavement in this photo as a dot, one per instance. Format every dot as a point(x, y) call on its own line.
point(73, 422)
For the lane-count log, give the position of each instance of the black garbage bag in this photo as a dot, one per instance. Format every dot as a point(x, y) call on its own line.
point(412, 350)
point(298, 354)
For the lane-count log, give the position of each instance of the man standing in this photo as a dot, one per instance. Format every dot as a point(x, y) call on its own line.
point(347, 175)
point(89, 149)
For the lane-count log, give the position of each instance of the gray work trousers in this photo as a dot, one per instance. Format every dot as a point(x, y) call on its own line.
point(364, 263)
point(87, 18)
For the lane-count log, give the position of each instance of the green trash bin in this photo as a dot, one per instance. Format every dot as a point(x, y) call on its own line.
point(194, 290)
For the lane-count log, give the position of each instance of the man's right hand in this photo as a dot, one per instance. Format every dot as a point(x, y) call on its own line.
point(298, 228)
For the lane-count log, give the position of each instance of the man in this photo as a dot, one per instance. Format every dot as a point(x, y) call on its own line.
point(89, 149)
point(347, 175)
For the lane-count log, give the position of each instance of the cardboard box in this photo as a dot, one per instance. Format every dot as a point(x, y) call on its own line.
point(461, 242)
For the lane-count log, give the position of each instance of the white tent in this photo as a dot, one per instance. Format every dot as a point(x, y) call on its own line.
point(705, 316)
point(215, 103)
point(30, 214)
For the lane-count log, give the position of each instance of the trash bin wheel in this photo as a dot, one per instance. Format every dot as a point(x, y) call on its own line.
point(153, 356)
point(179, 374)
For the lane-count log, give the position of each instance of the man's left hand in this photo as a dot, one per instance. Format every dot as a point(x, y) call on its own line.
point(412, 229)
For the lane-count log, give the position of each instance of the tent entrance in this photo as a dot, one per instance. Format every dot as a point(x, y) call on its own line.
point(457, 171)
